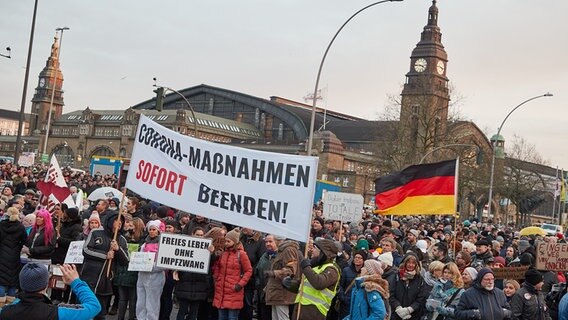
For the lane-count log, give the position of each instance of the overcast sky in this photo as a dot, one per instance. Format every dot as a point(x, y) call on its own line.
point(501, 52)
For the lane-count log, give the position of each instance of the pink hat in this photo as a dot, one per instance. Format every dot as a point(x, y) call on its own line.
point(95, 216)
point(158, 224)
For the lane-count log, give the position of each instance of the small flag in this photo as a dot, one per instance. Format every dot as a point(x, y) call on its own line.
point(425, 189)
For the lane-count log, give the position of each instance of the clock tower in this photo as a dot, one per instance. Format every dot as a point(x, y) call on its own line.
point(50, 79)
point(425, 97)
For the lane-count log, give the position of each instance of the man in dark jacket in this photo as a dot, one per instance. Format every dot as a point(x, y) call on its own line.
point(528, 302)
point(483, 300)
point(254, 246)
point(100, 249)
point(483, 255)
point(408, 295)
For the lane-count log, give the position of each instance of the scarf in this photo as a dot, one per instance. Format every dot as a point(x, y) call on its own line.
point(407, 275)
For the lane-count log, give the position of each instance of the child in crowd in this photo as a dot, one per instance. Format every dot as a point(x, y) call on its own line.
point(150, 284)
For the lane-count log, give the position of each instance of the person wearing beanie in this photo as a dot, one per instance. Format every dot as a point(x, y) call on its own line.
point(321, 279)
point(390, 270)
point(99, 251)
point(34, 304)
point(317, 228)
point(469, 275)
point(92, 223)
point(232, 272)
point(370, 294)
point(150, 284)
point(347, 281)
point(408, 297)
point(70, 230)
point(483, 300)
point(11, 242)
point(528, 302)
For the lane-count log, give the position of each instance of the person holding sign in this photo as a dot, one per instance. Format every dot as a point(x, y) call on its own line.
point(150, 284)
point(100, 249)
point(231, 272)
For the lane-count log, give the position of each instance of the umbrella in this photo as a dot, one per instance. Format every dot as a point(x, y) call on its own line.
point(533, 230)
point(105, 193)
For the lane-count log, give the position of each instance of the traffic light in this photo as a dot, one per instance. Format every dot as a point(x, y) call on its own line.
point(159, 98)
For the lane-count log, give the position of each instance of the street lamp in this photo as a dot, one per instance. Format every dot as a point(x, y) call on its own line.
point(53, 86)
point(186, 101)
point(26, 77)
point(451, 145)
point(548, 94)
point(313, 118)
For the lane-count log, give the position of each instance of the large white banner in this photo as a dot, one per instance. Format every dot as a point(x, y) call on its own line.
point(269, 192)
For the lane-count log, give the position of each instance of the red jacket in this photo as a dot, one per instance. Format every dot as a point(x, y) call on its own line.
point(227, 273)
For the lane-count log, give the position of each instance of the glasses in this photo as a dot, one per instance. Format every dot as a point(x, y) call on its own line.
point(488, 279)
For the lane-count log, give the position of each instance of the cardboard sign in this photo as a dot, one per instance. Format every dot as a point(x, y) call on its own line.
point(552, 256)
point(75, 253)
point(343, 206)
point(263, 191)
point(184, 253)
point(141, 261)
point(26, 159)
point(512, 273)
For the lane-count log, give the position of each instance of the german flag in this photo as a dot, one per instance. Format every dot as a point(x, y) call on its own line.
point(425, 189)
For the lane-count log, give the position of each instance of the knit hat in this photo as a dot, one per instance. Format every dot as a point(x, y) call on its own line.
point(34, 277)
point(362, 244)
point(156, 224)
point(373, 267)
point(234, 235)
point(472, 272)
point(362, 253)
point(72, 213)
point(414, 232)
point(500, 260)
point(523, 245)
point(386, 259)
point(320, 220)
point(422, 245)
point(95, 216)
point(533, 277)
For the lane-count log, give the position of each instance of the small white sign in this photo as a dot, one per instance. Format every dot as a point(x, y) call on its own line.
point(184, 253)
point(75, 253)
point(345, 207)
point(141, 261)
point(26, 159)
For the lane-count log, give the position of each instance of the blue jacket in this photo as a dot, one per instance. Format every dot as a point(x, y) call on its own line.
point(87, 308)
point(366, 305)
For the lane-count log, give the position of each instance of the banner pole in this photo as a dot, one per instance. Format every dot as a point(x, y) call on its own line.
point(116, 229)
point(301, 292)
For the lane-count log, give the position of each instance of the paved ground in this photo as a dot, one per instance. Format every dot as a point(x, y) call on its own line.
point(172, 315)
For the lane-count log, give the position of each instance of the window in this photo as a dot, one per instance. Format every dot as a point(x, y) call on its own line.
point(346, 182)
point(84, 129)
point(127, 130)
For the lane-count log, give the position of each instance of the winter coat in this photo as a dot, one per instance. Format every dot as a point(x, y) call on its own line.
point(286, 263)
point(367, 303)
point(483, 260)
point(346, 287)
point(409, 294)
point(69, 232)
point(528, 304)
point(232, 268)
point(123, 277)
point(36, 244)
point(391, 275)
point(489, 303)
point(262, 273)
point(254, 247)
point(12, 238)
point(443, 294)
point(193, 286)
point(95, 250)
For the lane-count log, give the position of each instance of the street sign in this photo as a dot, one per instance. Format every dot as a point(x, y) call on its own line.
point(44, 157)
point(343, 206)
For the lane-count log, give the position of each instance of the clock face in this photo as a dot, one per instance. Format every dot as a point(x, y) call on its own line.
point(440, 67)
point(42, 82)
point(420, 65)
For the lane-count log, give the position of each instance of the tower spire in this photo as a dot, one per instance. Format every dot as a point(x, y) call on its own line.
point(433, 14)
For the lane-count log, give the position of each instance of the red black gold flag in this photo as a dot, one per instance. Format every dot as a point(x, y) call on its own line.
point(425, 189)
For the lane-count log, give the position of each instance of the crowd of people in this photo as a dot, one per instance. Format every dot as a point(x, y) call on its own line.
point(374, 268)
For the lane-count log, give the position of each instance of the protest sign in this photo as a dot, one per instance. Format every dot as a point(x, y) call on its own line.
point(342, 206)
point(26, 159)
point(75, 252)
point(513, 273)
point(184, 253)
point(141, 261)
point(269, 192)
point(552, 256)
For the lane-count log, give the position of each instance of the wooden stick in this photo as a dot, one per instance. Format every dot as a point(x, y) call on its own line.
point(302, 277)
point(116, 229)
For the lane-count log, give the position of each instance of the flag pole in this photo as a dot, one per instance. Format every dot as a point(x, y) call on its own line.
point(556, 193)
point(116, 229)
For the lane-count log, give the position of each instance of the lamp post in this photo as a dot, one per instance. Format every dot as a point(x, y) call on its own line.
point(448, 146)
point(53, 86)
point(186, 101)
point(313, 117)
point(26, 77)
point(490, 196)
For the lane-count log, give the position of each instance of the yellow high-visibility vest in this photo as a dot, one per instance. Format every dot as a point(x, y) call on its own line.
point(319, 298)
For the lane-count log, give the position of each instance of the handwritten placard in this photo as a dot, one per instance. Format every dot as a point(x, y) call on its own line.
point(75, 253)
point(512, 273)
point(343, 206)
point(141, 261)
point(552, 256)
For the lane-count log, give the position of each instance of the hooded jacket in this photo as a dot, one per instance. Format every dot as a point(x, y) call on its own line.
point(490, 303)
point(370, 293)
point(95, 250)
point(233, 267)
point(410, 293)
point(70, 231)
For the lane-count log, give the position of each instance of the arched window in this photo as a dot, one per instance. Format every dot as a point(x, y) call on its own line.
point(64, 155)
point(103, 151)
point(123, 152)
